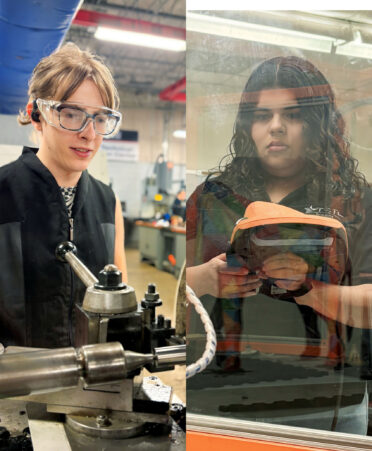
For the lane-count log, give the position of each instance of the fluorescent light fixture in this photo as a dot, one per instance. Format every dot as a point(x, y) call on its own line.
point(141, 39)
point(179, 134)
point(355, 49)
point(241, 5)
point(219, 26)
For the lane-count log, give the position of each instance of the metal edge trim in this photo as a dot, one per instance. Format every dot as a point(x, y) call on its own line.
point(278, 433)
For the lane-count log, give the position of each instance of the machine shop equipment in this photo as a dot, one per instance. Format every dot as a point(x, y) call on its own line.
point(93, 384)
point(110, 311)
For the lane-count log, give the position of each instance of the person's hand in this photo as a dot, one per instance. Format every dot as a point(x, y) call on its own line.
point(235, 282)
point(289, 270)
point(219, 280)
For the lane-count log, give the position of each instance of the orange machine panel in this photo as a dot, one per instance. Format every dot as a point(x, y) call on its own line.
point(196, 441)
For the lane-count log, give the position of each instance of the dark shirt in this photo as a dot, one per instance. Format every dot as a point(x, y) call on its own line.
point(273, 326)
point(38, 292)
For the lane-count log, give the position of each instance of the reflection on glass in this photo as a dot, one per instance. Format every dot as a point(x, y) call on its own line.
point(288, 286)
point(320, 242)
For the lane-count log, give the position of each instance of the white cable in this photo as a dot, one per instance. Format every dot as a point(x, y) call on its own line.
point(210, 347)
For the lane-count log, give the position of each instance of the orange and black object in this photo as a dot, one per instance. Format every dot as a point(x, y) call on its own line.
point(269, 229)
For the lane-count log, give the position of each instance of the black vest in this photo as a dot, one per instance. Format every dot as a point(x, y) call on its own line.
point(37, 291)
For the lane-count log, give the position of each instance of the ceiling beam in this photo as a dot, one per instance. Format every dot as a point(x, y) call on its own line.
point(175, 92)
point(88, 18)
point(134, 9)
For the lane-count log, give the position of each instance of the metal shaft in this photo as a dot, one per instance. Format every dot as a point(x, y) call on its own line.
point(38, 371)
point(32, 372)
point(48, 370)
point(170, 355)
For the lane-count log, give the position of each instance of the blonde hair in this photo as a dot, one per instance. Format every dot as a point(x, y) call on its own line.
point(58, 75)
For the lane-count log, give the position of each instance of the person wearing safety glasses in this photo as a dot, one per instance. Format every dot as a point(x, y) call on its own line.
point(47, 197)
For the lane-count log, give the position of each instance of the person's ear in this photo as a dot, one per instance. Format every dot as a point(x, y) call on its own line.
point(34, 113)
point(37, 125)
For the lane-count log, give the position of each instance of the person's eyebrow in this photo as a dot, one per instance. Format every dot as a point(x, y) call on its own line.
point(292, 107)
point(270, 108)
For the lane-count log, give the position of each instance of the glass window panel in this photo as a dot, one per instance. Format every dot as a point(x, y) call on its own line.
point(289, 294)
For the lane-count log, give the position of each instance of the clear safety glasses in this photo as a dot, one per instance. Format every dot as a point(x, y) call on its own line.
point(73, 116)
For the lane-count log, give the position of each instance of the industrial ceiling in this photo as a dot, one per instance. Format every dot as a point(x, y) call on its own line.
point(141, 73)
point(144, 76)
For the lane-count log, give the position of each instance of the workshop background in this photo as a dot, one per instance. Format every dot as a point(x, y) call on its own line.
point(145, 162)
point(223, 49)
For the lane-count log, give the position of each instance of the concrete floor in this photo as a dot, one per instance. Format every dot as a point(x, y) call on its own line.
point(140, 274)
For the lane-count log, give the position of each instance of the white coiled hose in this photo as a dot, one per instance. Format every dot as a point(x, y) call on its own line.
point(210, 347)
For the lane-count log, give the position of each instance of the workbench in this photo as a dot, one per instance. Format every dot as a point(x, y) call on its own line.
point(156, 243)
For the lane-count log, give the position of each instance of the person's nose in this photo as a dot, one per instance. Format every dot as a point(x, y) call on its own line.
point(88, 132)
point(277, 124)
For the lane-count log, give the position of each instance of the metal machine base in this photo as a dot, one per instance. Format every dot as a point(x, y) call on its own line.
point(115, 426)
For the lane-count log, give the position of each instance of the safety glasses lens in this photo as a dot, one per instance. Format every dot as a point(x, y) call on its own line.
point(71, 118)
point(105, 123)
point(74, 119)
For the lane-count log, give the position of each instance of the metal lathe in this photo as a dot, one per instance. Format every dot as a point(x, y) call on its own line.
point(85, 397)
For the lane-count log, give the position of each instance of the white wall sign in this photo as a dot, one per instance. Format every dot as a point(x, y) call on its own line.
point(121, 150)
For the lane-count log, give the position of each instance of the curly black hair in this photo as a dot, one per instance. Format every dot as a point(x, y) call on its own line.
point(331, 172)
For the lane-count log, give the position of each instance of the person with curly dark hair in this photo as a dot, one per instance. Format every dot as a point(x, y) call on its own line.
point(288, 147)
point(331, 172)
